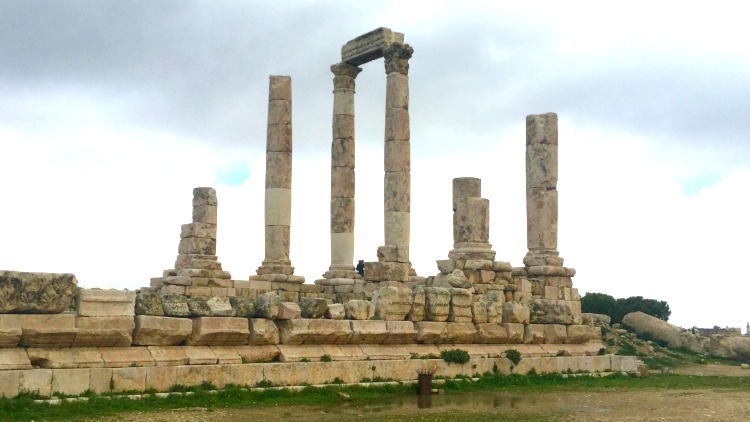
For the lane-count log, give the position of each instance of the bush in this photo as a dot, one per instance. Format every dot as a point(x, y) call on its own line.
point(455, 356)
point(600, 303)
point(514, 356)
point(326, 358)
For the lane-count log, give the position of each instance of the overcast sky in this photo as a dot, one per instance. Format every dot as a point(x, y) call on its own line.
point(112, 111)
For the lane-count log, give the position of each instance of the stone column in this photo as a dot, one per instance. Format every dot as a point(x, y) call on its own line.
point(397, 193)
point(541, 190)
point(342, 173)
point(278, 205)
point(471, 221)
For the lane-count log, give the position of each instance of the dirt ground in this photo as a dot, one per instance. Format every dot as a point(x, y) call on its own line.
point(645, 405)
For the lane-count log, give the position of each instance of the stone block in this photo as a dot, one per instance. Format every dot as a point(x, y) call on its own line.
point(219, 331)
point(533, 334)
point(257, 353)
point(313, 308)
point(555, 334)
point(175, 306)
point(293, 331)
point(392, 253)
point(289, 310)
point(99, 303)
point(161, 378)
point(369, 46)
point(129, 379)
point(431, 332)
point(200, 355)
point(263, 332)
point(79, 357)
point(161, 331)
point(386, 271)
point(460, 332)
point(10, 330)
point(197, 245)
point(515, 332)
point(400, 332)
point(120, 357)
point(9, 383)
point(623, 363)
point(327, 331)
point(14, 359)
point(71, 381)
point(471, 223)
point(246, 375)
point(491, 333)
point(578, 334)
point(101, 380)
point(267, 305)
point(515, 312)
point(417, 312)
point(368, 332)
point(35, 381)
point(446, 266)
point(437, 304)
point(36, 293)
point(168, 355)
point(227, 355)
point(107, 331)
point(335, 311)
point(56, 330)
point(392, 303)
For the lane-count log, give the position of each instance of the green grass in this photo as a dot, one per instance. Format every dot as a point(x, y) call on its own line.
point(23, 408)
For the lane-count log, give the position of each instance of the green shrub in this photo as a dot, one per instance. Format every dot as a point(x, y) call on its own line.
point(514, 356)
point(602, 352)
point(326, 358)
point(304, 360)
point(455, 356)
point(263, 384)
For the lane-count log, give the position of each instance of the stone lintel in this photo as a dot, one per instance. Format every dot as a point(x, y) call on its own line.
point(369, 46)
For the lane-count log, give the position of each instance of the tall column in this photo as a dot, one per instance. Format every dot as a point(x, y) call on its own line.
point(342, 173)
point(541, 190)
point(278, 206)
point(397, 193)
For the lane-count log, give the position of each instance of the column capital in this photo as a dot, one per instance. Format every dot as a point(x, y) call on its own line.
point(345, 69)
point(397, 57)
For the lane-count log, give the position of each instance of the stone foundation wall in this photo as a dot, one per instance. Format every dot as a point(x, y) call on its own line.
point(103, 370)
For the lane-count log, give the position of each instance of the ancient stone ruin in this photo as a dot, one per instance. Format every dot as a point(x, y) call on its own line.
point(197, 324)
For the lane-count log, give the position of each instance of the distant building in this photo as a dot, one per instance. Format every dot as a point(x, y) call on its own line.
point(726, 331)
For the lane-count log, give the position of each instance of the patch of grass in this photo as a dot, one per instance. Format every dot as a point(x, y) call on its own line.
point(326, 358)
point(455, 356)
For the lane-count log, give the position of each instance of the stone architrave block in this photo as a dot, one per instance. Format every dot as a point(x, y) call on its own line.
point(400, 332)
point(99, 302)
point(515, 332)
point(491, 333)
point(263, 332)
point(431, 332)
point(335, 311)
point(359, 310)
point(392, 303)
point(514, 312)
point(289, 310)
point(369, 46)
point(36, 293)
point(533, 334)
point(219, 331)
point(10, 330)
point(368, 332)
point(313, 307)
point(327, 331)
point(293, 331)
point(161, 331)
point(437, 304)
point(460, 332)
point(113, 331)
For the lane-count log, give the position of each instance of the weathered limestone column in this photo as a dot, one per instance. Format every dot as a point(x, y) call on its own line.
point(471, 220)
point(541, 190)
point(397, 194)
point(277, 266)
point(342, 173)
